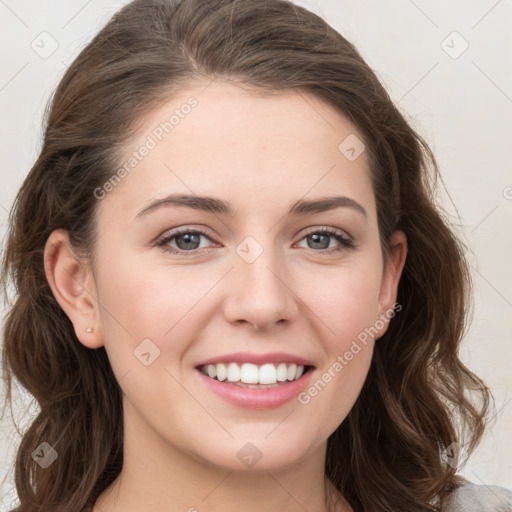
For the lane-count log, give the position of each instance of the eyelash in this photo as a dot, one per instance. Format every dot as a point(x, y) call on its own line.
point(345, 242)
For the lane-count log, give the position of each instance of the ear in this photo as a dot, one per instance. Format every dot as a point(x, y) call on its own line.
point(391, 277)
point(72, 282)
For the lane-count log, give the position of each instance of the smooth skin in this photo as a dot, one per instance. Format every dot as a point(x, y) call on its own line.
point(260, 154)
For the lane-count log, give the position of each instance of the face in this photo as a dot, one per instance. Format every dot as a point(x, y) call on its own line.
point(279, 273)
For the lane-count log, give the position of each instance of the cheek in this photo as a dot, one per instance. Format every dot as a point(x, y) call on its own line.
point(346, 300)
point(348, 318)
point(350, 343)
point(347, 305)
point(140, 301)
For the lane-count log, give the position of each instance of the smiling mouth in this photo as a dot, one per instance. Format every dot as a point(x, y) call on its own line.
point(254, 376)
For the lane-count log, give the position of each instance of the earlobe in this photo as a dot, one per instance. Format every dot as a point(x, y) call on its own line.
point(72, 284)
point(391, 276)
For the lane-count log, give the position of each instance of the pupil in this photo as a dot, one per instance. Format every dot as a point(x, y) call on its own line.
point(316, 237)
point(190, 239)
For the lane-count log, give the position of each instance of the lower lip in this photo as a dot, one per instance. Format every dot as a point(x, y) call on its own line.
point(251, 398)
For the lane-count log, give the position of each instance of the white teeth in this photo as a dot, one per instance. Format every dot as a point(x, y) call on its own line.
point(268, 374)
point(222, 372)
point(282, 372)
point(233, 372)
point(249, 373)
point(292, 370)
point(212, 371)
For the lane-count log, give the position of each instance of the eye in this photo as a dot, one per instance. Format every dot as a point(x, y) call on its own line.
point(187, 241)
point(321, 239)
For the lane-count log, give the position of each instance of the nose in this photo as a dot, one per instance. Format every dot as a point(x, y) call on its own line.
point(260, 292)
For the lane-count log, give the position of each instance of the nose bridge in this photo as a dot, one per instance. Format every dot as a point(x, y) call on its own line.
point(260, 294)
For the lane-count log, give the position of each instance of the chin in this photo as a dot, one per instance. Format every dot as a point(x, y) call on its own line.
point(259, 452)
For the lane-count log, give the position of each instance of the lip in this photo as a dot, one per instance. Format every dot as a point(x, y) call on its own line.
point(259, 359)
point(250, 398)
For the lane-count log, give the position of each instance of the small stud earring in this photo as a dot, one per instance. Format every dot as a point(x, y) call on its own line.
point(89, 330)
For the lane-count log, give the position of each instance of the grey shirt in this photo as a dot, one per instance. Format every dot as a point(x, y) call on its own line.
point(480, 498)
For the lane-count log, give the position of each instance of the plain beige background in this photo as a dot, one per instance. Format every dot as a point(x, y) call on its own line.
point(446, 64)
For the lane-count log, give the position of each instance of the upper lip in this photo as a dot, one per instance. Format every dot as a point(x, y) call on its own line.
point(258, 359)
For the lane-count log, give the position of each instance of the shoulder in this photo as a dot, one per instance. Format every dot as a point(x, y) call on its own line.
point(470, 497)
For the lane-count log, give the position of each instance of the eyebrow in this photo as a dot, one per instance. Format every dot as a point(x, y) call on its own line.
point(218, 206)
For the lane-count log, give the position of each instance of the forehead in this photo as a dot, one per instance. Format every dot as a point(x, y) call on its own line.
point(219, 139)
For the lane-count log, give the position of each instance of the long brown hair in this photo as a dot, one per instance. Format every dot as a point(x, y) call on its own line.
point(418, 397)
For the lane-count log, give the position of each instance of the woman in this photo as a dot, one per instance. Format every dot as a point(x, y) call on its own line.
point(234, 289)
